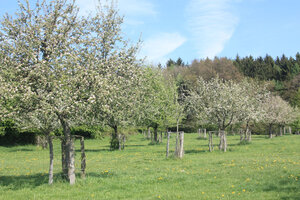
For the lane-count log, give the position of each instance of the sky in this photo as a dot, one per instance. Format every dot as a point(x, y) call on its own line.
point(197, 29)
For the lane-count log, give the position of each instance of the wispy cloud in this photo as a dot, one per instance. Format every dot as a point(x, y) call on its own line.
point(212, 23)
point(137, 7)
point(156, 48)
point(86, 6)
point(133, 10)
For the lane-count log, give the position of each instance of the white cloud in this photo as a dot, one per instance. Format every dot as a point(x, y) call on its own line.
point(212, 23)
point(158, 47)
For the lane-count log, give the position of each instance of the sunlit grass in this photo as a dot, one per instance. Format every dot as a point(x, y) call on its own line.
point(264, 169)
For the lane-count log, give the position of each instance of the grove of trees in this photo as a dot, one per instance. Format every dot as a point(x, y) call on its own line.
point(59, 70)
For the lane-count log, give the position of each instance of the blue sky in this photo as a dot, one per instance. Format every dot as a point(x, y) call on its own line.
point(195, 29)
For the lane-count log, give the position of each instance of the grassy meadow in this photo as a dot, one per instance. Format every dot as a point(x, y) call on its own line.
point(264, 169)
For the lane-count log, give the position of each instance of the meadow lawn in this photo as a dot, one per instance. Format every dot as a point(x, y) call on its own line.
point(264, 169)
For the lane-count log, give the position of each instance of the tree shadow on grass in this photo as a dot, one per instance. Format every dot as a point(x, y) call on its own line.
point(24, 181)
point(135, 145)
point(22, 149)
point(104, 174)
point(289, 188)
point(202, 138)
point(94, 150)
point(195, 151)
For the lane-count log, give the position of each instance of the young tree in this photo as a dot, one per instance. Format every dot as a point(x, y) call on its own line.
point(159, 100)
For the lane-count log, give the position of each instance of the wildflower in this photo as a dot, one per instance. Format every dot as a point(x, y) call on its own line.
point(244, 190)
point(233, 192)
point(203, 192)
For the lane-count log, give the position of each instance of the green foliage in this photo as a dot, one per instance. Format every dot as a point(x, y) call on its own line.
point(88, 132)
point(280, 69)
point(10, 134)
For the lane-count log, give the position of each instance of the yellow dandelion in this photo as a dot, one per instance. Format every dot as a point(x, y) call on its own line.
point(244, 190)
point(203, 192)
point(233, 192)
point(223, 195)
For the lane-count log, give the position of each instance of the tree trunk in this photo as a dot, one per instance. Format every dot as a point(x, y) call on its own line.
point(210, 144)
point(247, 132)
point(249, 136)
point(168, 144)
point(71, 170)
point(115, 141)
point(223, 141)
point(204, 132)
point(64, 161)
point(123, 141)
point(270, 131)
point(155, 133)
point(290, 130)
point(83, 159)
point(44, 142)
point(51, 158)
point(68, 157)
point(284, 130)
point(149, 133)
point(241, 135)
point(38, 141)
point(161, 137)
point(181, 149)
point(280, 130)
point(120, 141)
point(177, 141)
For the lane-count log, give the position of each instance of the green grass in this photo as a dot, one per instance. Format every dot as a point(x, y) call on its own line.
point(264, 169)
